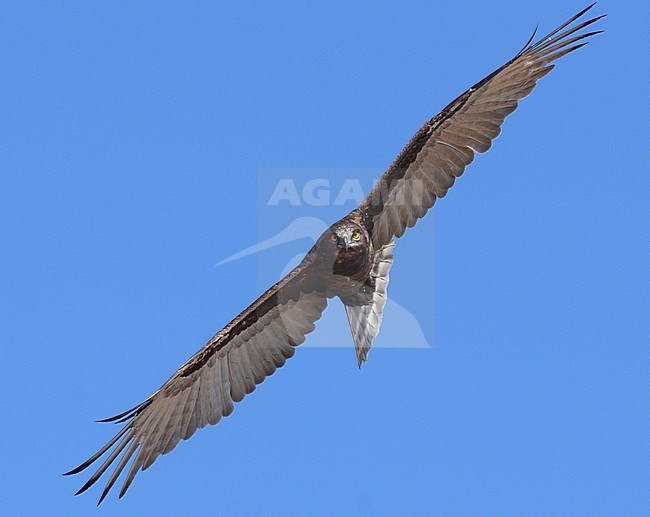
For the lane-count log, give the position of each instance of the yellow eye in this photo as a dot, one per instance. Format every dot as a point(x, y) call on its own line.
point(356, 235)
point(334, 238)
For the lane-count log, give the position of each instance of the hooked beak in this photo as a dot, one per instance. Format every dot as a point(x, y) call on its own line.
point(344, 242)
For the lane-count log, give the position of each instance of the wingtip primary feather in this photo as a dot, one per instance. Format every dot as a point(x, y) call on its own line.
point(530, 40)
point(98, 454)
point(86, 486)
point(126, 415)
point(102, 497)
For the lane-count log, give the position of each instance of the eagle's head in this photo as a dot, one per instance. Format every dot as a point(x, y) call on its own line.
point(345, 247)
point(348, 239)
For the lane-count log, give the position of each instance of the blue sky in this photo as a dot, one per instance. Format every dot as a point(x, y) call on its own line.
point(133, 139)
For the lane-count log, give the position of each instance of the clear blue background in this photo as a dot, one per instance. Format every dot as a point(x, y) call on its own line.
point(131, 137)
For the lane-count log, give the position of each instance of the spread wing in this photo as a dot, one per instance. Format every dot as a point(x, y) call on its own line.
point(445, 145)
point(365, 320)
point(224, 371)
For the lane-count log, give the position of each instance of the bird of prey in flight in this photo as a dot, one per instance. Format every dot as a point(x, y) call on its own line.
point(351, 261)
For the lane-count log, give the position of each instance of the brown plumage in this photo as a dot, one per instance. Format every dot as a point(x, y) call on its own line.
point(351, 261)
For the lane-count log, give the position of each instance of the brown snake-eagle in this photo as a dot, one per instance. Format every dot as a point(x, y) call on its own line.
point(350, 261)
